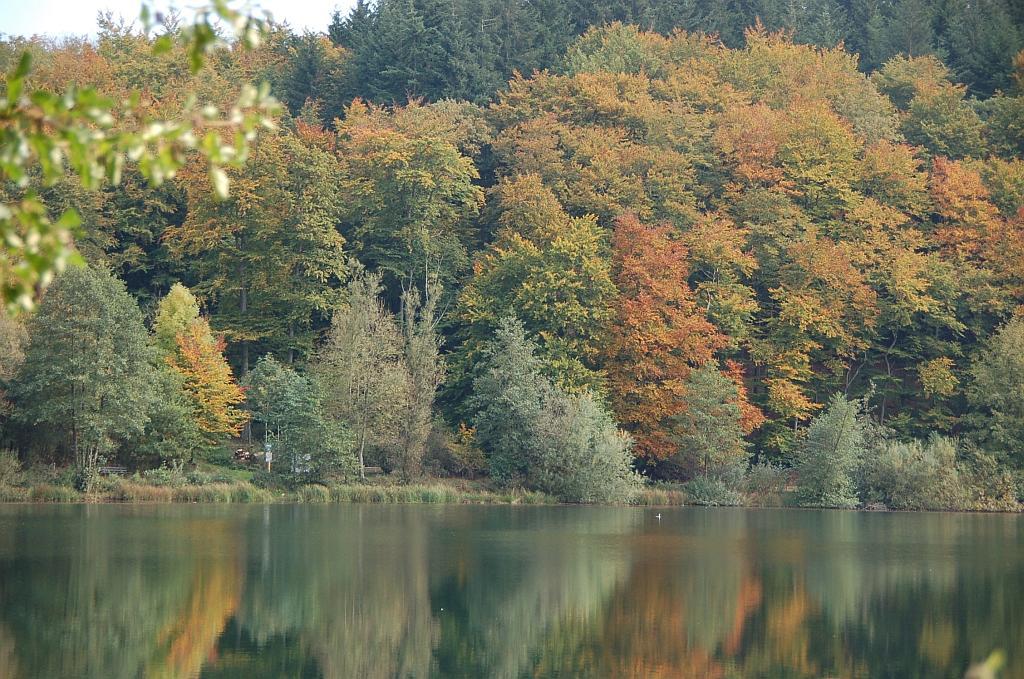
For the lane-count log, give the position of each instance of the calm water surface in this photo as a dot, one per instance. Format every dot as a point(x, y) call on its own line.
point(414, 591)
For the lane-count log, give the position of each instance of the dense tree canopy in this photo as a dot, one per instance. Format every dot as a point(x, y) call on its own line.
point(468, 49)
point(697, 212)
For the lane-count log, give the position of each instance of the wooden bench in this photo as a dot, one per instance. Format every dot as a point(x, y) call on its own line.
point(113, 471)
point(373, 471)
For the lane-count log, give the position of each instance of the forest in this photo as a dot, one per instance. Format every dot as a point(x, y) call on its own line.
point(752, 249)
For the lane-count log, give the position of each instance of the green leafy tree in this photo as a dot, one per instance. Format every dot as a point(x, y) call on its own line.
point(171, 434)
point(936, 114)
point(424, 374)
point(289, 408)
point(1004, 125)
point(534, 434)
point(997, 392)
point(581, 456)
point(174, 314)
point(360, 369)
point(13, 339)
point(88, 370)
point(709, 429)
point(553, 271)
point(411, 194)
point(829, 455)
point(270, 256)
point(508, 397)
point(90, 136)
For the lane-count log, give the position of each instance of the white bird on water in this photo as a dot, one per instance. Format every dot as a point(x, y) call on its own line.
point(658, 517)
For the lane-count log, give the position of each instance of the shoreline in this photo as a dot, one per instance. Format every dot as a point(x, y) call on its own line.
point(439, 493)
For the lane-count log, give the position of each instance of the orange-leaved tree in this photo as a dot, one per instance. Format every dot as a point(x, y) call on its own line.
point(658, 336)
point(208, 381)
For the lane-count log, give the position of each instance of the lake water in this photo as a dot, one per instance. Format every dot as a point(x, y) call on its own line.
point(419, 591)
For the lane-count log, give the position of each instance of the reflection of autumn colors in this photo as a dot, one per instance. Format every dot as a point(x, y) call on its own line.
point(737, 606)
point(643, 633)
point(189, 639)
point(378, 592)
point(118, 592)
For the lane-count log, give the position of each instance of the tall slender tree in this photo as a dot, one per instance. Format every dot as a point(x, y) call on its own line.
point(360, 368)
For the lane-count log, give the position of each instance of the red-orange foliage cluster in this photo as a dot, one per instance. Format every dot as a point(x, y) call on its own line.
point(659, 334)
point(208, 380)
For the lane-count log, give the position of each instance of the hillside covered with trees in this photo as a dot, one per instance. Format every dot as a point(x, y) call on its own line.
point(569, 246)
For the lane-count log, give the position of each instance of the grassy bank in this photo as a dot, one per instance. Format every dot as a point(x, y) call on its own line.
point(139, 491)
point(434, 491)
point(232, 486)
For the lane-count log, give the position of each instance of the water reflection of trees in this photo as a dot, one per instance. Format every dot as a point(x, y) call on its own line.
point(353, 590)
point(81, 600)
point(415, 592)
point(506, 592)
point(515, 576)
point(806, 595)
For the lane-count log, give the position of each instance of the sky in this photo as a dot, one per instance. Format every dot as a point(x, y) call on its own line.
point(78, 17)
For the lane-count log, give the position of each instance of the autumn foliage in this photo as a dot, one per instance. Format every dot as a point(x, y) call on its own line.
point(208, 380)
point(658, 335)
point(743, 224)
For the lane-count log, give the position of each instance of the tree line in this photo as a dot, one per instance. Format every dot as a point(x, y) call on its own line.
point(663, 256)
point(468, 49)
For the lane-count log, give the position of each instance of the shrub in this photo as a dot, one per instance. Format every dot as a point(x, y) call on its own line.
point(200, 478)
point(453, 455)
point(50, 493)
point(105, 484)
point(709, 491)
point(314, 494)
point(531, 497)
point(433, 494)
point(39, 473)
point(661, 496)
point(222, 493)
point(11, 473)
point(272, 480)
point(14, 494)
point(988, 487)
point(913, 475)
point(171, 475)
point(581, 455)
point(765, 484)
point(828, 456)
point(130, 491)
point(436, 495)
point(83, 478)
point(248, 493)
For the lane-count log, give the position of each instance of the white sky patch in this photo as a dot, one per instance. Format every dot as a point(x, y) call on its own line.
point(78, 17)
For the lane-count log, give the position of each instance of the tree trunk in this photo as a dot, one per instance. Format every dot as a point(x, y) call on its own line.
point(291, 342)
point(362, 447)
point(243, 309)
